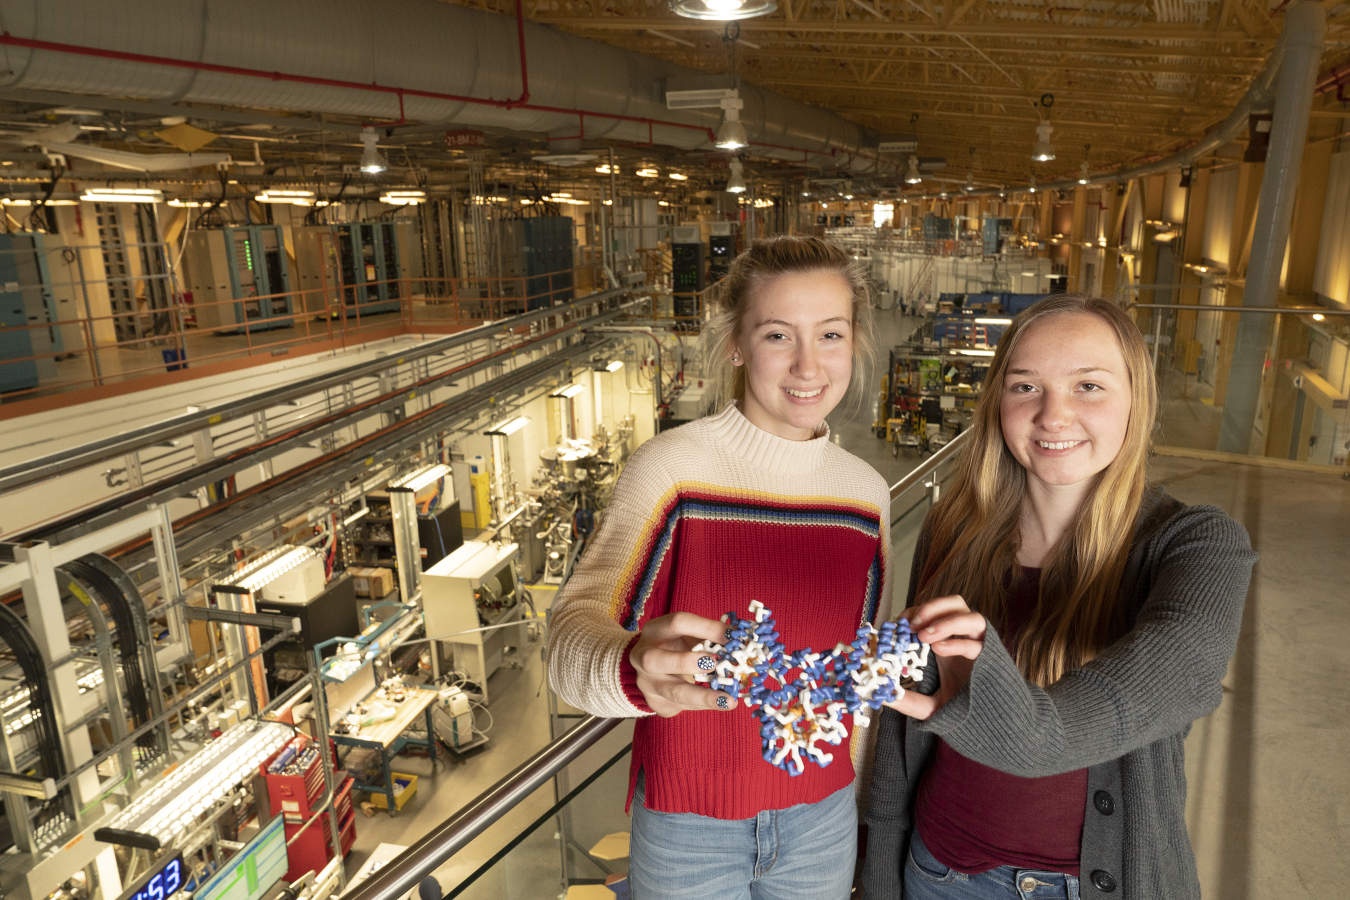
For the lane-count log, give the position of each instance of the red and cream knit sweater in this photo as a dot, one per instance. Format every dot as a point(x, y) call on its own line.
point(706, 518)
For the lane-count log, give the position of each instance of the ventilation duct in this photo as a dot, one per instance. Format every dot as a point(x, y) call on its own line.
point(214, 52)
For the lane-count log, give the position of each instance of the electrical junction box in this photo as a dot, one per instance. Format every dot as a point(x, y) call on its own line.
point(473, 587)
point(298, 584)
point(691, 404)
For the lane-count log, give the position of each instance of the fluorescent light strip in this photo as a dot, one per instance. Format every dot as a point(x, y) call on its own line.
point(262, 570)
point(510, 426)
point(415, 481)
point(122, 195)
point(570, 391)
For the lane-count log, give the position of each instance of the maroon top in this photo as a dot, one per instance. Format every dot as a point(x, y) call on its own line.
point(973, 818)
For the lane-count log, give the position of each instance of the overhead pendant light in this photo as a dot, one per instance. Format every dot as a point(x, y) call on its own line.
point(731, 133)
point(1083, 173)
point(970, 182)
point(1033, 184)
point(1045, 151)
point(735, 183)
point(723, 10)
point(678, 176)
point(372, 162)
point(913, 176)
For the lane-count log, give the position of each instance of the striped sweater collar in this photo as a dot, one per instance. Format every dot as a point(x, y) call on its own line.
point(752, 445)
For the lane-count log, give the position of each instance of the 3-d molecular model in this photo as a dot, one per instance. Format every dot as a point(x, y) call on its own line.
point(802, 712)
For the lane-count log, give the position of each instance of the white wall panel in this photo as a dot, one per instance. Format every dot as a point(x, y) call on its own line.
point(1332, 276)
point(1219, 216)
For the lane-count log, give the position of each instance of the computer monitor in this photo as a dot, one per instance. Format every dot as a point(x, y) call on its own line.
point(249, 873)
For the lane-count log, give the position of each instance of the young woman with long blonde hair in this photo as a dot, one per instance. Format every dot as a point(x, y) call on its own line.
point(753, 502)
point(1082, 621)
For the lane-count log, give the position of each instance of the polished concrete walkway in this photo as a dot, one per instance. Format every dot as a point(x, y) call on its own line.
point(1268, 773)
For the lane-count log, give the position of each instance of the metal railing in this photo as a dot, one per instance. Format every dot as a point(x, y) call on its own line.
point(73, 352)
point(395, 880)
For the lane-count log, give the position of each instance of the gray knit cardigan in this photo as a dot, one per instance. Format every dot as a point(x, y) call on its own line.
point(1124, 716)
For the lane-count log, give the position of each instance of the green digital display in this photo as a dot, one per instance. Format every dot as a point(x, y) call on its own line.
point(249, 873)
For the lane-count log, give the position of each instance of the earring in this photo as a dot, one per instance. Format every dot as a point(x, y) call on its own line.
point(735, 359)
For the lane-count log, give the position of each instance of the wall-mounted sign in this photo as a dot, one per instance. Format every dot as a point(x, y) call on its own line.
point(464, 139)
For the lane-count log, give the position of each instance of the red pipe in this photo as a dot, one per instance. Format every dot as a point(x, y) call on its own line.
point(1332, 78)
point(524, 72)
point(7, 39)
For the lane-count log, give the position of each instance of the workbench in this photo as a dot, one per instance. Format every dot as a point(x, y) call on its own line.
point(388, 739)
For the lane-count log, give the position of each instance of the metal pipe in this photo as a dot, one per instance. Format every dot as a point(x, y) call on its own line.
point(400, 876)
point(1275, 310)
point(928, 466)
point(1304, 30)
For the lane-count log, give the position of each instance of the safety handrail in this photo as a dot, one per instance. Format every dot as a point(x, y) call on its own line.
point(395, 880)
point(928, 466)
point(70, 459)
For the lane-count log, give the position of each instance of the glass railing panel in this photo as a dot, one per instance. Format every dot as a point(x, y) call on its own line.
point(1301, 408)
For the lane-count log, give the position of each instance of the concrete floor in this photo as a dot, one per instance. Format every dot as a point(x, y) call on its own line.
point(1267, 771)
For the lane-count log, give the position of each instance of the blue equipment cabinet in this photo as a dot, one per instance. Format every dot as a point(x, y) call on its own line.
point(368, 258)
point(26, 300)
point(233, 272)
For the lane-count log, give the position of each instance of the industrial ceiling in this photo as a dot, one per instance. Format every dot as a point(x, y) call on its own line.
point(971, 79)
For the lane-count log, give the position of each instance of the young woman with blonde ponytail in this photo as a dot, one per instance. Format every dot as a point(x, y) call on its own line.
point(753, 502)
point(1082, 621)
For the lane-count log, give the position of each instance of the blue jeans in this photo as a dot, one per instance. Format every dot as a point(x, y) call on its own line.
point(928, 879)
point(804, 852)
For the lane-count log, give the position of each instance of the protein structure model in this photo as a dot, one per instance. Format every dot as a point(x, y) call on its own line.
point(802, 712)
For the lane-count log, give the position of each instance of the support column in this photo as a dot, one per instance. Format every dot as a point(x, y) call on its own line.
point(1076, 284)
point(1239, 253)
point(1279, 396)
point(1192, 253)
point(1305, 26)
point(1117, 201)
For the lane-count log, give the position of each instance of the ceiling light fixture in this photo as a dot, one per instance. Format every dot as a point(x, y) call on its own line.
point(1045, 151)
point(302, 198)
point(647, 173)
point(403, 198)
point(603, 169)
point(913, 176)
point(568, 391)
point(614, 366)
point(736, 182)
point(1032, 186)
point(731, 133)
point(509, 427)
point(122, 195)
point(723, 10)
point(676, 176)
point(1083, 173)
point(426, 475)
point(372, 162)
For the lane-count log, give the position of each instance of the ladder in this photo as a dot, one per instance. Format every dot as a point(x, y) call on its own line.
point(921, 285)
